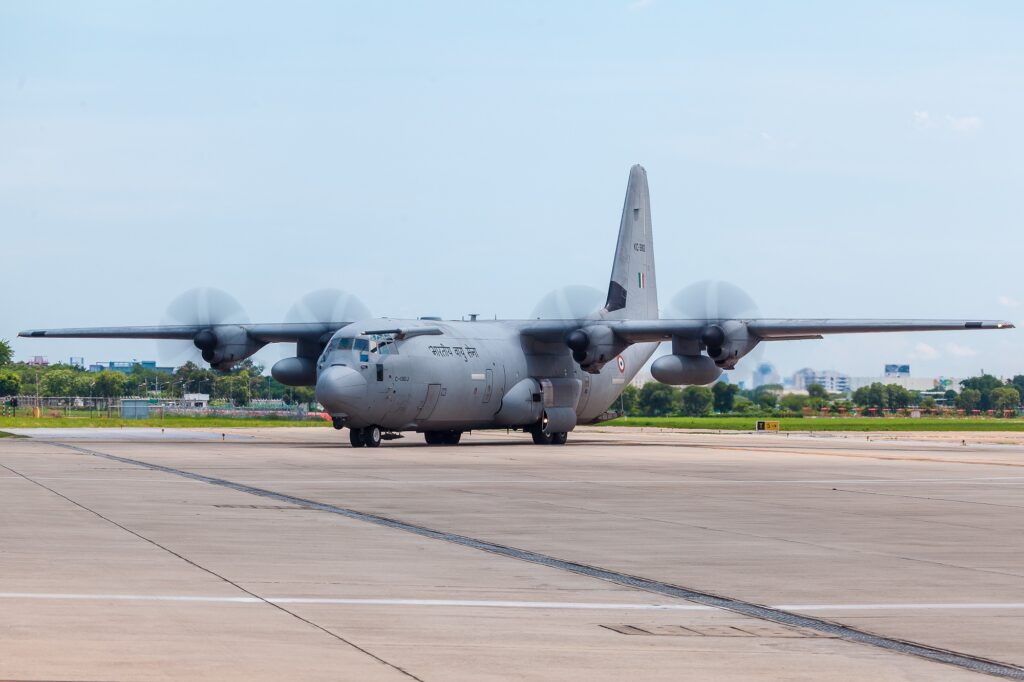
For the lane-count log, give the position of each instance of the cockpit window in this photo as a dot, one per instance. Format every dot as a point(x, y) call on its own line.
point(342, 344)
point(385, 345)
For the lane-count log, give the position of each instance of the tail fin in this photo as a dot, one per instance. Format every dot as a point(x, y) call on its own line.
point(633, 290)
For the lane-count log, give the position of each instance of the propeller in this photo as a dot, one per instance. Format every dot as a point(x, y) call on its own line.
point(325, 305)
point(716, 301)
point(200, 306)
point(568, 303)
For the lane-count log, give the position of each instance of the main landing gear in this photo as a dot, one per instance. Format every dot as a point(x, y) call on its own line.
point(442, 437)
point(540, 437)
point(367, 437)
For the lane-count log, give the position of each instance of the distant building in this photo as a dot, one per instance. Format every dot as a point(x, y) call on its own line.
point(125, 367)
point(200, 400)
point(909, 383)
point(802, 378)
point(766, 374)
point(831, 380)
point(897, 371)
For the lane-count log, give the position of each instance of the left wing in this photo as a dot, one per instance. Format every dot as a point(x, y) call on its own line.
point(636, 331)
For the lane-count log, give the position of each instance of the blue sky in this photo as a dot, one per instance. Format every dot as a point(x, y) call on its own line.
point(447, 158)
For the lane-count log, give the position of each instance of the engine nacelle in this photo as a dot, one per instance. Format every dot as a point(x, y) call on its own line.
point(594, 347)
point(727, 342)
point(685, 369)
point(295, 371)
point(225, 346)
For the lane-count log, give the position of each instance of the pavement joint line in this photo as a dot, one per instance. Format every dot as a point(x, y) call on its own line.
point(492, 603)
point(210, 571)
point(735, 605)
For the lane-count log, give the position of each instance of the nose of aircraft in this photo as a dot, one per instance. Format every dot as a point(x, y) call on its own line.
point(340, 390)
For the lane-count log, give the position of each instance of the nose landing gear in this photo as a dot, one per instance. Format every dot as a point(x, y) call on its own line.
point(367, 437)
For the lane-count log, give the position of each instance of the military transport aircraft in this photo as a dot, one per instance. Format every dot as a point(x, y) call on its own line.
point(380, 377)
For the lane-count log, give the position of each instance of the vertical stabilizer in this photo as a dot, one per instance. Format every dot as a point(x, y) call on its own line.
point(633, 290)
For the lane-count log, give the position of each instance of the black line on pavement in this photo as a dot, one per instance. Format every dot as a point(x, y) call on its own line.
point(746, 608)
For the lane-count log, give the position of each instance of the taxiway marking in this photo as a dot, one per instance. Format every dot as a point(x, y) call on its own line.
point(490, 603)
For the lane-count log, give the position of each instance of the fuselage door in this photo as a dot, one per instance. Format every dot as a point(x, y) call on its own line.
point(429, 402)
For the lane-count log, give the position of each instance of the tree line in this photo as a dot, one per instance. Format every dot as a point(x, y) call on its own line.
point(241, 385)
point(980, 393)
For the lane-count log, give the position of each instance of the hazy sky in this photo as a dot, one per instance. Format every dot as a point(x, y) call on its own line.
point(833, 159)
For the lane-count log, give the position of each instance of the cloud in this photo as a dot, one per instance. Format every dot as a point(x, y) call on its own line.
point(1008, 302)
point(963, 124)
point(922, 351)
point(958, 351)
point(923, 120)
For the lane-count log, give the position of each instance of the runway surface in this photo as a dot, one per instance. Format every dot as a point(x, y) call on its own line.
point(281, 553)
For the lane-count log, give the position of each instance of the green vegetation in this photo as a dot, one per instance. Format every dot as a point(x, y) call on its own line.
point(825, 424)
point(167, 422)
point(979, 396)
point(238, 387)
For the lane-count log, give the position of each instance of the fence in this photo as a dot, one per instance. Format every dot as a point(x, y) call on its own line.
point(139, 408)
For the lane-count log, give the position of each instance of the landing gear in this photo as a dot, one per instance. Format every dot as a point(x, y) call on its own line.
point(442, 437)
point(540, 437)
point(371, 436)
point(338, 423)
point(368, 437)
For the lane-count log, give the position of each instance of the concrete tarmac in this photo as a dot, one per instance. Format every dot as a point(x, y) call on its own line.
point(128, 555)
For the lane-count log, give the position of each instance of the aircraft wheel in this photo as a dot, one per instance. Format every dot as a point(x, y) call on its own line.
point(355, 437)
point(541, 438)
point(559, 438)
point(371, 436)
point(433, 437)
point(338, 423)
point(452, 437)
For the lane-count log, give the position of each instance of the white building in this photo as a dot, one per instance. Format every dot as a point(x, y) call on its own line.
point(830, 379)
point(200, 400)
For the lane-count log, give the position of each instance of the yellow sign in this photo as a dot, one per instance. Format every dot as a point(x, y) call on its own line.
point(768, 425)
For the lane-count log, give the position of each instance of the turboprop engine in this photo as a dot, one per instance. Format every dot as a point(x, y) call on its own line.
point(225, 346)
point(593, 347)
point(726, 342)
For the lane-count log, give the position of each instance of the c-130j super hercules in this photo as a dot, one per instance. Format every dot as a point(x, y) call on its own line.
point(379, 377)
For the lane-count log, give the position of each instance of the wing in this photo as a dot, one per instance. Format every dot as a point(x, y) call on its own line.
point(265, 333)
point(640, 331)
point(222, 345)
point(636, 331)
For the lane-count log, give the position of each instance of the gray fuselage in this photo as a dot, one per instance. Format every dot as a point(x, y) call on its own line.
point(462, 376)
